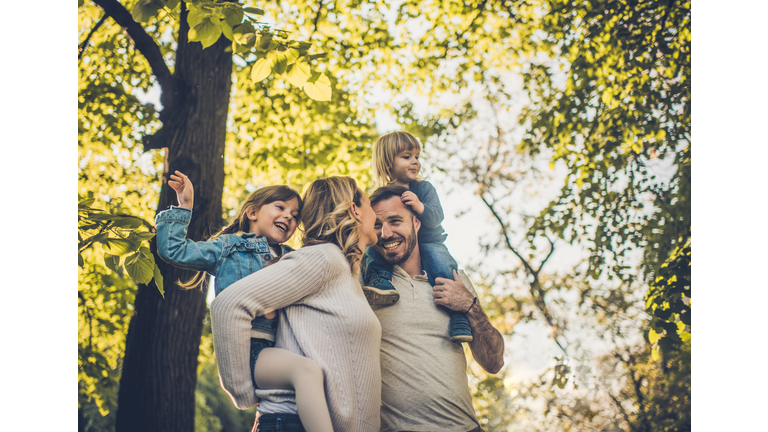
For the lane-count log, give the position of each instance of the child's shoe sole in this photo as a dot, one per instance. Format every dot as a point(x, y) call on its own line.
point(380, 297)
point(462, 338)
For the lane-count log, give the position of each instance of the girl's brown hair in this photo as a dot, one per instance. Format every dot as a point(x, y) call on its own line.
point(241, 223)
point(385, 149)
point(328, 217)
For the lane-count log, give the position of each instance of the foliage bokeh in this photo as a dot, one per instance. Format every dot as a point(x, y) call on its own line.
point(605, 96)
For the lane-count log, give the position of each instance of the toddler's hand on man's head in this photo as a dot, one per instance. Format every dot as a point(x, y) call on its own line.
point(410, 198)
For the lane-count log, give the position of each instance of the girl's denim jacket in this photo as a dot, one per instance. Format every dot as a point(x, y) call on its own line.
point(228, 257)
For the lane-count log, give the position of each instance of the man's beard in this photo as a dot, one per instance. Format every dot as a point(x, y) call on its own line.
point(410, 245)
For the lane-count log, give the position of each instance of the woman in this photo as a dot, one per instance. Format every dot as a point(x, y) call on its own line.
point(324, 314)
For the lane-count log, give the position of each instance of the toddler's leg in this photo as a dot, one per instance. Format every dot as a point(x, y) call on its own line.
point(377, 279)
point(280, 369)
point(438, 262)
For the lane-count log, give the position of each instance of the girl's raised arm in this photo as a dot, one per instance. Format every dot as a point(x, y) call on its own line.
point(173, 246)
point(185, 193)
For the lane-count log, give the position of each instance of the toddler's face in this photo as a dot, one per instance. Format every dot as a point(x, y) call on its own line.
point(406, 166)
point(277, 221)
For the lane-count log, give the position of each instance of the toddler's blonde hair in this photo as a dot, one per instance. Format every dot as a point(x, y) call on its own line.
point(386, 148)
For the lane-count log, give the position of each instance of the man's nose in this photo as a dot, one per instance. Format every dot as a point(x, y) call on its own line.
point(385, 231)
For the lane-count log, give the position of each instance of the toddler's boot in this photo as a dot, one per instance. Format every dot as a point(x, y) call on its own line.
point(379, 291)
point(459, 328)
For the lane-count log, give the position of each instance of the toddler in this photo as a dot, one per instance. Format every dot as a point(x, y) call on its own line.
point(396, 161)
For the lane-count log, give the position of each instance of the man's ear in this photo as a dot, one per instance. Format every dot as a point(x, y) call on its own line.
point(416, 224)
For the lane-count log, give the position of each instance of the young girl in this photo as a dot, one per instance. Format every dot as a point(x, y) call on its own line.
point(267, 219)
point(396, 161)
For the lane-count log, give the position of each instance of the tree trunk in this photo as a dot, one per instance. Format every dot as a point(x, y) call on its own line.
point(157, 386)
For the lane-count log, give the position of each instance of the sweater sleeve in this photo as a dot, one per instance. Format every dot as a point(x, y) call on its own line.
point(433, 211)
point(176, 249)
point(296, 276)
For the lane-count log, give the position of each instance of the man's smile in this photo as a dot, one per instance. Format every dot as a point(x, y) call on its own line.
point(392, 244)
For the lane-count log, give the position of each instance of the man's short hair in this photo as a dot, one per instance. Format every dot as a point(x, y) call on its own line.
point(386, 192)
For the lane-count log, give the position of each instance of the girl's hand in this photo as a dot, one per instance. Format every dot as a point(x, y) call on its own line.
point(410, 198)
point(185, 193)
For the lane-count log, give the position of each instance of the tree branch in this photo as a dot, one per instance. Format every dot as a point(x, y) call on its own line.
point(317, 18)
point(551, 251)
point(143, 41)
point(507, 240)
point(84, 45)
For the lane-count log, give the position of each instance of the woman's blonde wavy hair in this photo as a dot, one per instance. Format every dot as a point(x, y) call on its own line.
point(328, 218)
point(385, 149)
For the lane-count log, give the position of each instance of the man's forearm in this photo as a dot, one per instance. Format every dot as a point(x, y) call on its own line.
point(487, 345)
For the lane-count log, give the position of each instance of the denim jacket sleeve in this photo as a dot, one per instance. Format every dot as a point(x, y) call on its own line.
point(433, 211)
point(174, 247)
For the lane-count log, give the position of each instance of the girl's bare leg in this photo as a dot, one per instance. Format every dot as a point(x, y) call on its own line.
point(280, 369)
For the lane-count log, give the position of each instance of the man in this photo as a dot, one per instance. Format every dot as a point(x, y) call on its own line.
point(424, 381)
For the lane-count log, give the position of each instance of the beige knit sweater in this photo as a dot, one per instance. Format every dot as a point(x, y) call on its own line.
point(324, 316)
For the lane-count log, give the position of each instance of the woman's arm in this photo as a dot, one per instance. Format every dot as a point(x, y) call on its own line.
point(296, 276)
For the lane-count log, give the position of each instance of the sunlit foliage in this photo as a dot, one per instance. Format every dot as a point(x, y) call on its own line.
point(606, 96)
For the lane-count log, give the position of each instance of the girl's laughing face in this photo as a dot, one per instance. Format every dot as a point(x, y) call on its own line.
point(276, 221)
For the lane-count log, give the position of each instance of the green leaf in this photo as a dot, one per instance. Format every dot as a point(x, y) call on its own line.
point(655, 355)
point(244, 28)
point(261, 69)
point(140, 268)
point(112, 262)
point(253, 10)
point(226, 30)
point(128, 222)
point(158, 280)
point(281, 64)
point(144, 10)
point(86, 202)
point(298, 73)
point(146, 235)
point(171, 4)
point(265, 41)
point(245, 39)
point(103, 216)
point(317, 56)
point(101, 238)
point(292, 54)
point(233, 16)
point(80, 261)
point(653, 336)
point(207, 32)
point(303, 47)
point(120, 246)
point(320, 89)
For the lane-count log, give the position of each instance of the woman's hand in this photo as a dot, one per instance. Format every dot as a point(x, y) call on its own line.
point(185, 193)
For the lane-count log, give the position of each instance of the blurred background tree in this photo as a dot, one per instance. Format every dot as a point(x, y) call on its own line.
point(507, 97)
